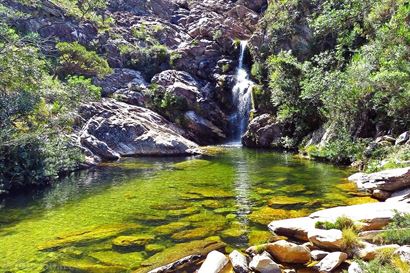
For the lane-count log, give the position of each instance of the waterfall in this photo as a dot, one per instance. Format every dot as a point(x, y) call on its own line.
point(242, 98)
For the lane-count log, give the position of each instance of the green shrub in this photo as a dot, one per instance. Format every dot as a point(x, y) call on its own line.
point(75, 59)
point(398, 230)
point(340, 223)
point(350, 239)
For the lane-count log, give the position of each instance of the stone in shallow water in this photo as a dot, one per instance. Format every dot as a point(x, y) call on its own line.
point(131, 242)
point(89, 267)
point(154, 248)
point(88, 235)
point(266, 214)
point(233, 233)
point(191, 164)
point(183, 212)
point(211, 193)
point(212, 204)
point(130, 260)
point(196, 233)
point(257, 237)
point(287, 200)
point(170, 228)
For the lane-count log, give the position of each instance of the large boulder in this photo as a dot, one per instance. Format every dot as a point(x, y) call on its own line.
point(263, 132)
point(372, 216)
point(286, 252)
point(263, 263)
point(297, 228)
point(388, 180)
point(331, 262)
point(119, 129)
point(327, 239)
point(214, 263)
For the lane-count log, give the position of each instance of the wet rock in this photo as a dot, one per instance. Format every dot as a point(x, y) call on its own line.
point(404, 253)
point(214, 263)
point(239, 262)
point(130, 130)
point(354, 268)
point(331, 262)
point(191, 234)
point(326, 239)
point(403, 138)
point(286, 252)
point(263, 132)
point(86, 266)
point(318, 254)
point(263, 263)
point(297, 228)
point(266, 214)
point(261, 236)
point(388, 180)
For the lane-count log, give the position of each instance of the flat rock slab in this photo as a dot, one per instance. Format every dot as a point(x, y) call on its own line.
point(326, 239)
point(373, 215)
point(296, 227)
point(388, 180)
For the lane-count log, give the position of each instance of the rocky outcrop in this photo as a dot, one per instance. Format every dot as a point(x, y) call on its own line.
point(263, 263)
point(263, 132)
point(239, 262)
point(326, 239)
point(383, 184)
point(114, 129)
point(204, 121)
point(214, 263)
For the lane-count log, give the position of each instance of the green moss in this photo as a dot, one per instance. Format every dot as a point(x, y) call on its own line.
point(87, 236)
point(191, 164)
point(131, 260)
point(130, 243)
point(154, 248)
point(192, 234)
point(257, 237)
point(89, 267)
point(171, 228)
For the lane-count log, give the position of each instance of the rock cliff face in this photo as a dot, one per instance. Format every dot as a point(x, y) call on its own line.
point(175, 57)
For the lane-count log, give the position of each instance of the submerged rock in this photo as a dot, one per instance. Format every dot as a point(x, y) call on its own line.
point(89, 235)
point(129, 243)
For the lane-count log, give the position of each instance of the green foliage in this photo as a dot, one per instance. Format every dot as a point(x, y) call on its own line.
point(350, 240)
point(353, 75)
point(388, 157)
point(36, 114)
point(341, 223)
point(75, 59)
point(398, 231)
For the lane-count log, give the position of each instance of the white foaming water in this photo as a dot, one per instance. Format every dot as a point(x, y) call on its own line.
point(242, 98)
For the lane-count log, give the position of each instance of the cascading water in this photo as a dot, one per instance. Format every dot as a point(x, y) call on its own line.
point(242, 98)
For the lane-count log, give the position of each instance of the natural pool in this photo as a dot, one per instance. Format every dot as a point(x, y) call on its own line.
point(163, 208)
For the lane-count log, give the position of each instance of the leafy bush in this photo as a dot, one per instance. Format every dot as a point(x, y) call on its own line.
point(341, 223)
point(350, 239)
point(398, 230)
point(75, 59)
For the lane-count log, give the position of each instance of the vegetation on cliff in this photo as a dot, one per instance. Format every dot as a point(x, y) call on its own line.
point(341, 65)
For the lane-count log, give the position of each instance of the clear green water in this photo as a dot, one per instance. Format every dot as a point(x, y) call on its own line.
point(163, 203)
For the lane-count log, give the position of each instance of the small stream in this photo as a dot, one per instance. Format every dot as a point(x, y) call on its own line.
point(167, 204)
